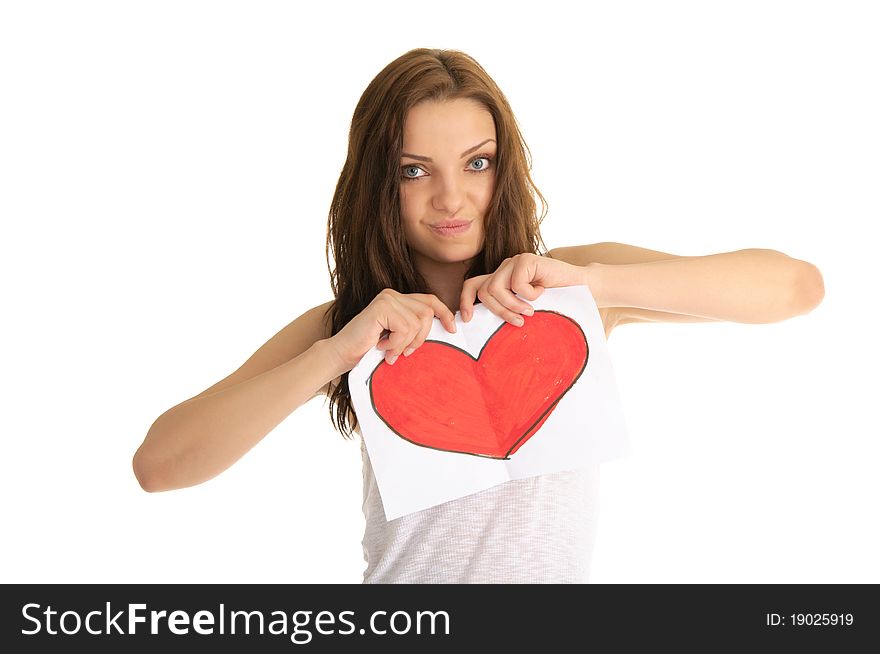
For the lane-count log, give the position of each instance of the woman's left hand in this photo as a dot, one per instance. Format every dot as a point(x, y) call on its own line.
point(526, 274)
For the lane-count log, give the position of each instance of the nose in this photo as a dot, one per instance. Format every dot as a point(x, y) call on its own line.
point(449, 195)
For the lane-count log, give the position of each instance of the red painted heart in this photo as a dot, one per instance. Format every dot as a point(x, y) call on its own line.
point(443, 398)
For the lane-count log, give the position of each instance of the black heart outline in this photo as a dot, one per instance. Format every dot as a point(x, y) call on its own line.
point(369, 383)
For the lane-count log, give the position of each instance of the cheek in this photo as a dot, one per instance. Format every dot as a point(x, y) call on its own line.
point(409, 221)
point(408, 200)
point(486, 193)
point(408, 212)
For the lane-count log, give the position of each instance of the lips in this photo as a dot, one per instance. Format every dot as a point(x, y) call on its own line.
point(451, 229)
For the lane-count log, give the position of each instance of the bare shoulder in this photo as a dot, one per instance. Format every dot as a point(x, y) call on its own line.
point(289, 342)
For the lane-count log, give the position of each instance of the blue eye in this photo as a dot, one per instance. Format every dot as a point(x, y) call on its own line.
point(484, 169)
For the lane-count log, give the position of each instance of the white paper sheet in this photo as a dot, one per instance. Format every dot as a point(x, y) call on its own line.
point(490, 403)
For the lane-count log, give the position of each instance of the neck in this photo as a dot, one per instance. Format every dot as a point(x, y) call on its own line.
point(445, 279)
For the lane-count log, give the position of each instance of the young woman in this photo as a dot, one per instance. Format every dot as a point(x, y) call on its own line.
point(435, 210)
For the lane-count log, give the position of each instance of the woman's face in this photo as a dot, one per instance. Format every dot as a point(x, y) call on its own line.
point(455, 186)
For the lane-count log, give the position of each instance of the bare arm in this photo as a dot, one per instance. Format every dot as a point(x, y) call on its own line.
point(809, 285)
point(201, 437)
point(198, 439)
point(747, 286)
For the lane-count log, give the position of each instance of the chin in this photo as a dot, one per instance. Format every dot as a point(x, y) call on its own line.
point(454, 253)
point(455, 257)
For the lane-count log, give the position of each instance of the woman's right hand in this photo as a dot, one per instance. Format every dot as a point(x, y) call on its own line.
point(401, 321)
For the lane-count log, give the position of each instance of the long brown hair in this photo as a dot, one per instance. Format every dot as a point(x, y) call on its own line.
point(364, 229)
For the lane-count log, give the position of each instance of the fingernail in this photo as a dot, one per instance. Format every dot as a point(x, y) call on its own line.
point(530, 311)
point(408, 351)
point(392, 360)
point(518, 321)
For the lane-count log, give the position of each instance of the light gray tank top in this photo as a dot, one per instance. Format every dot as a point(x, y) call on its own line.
point(533, 530)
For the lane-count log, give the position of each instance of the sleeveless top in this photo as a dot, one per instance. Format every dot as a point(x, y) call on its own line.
point(534, 530)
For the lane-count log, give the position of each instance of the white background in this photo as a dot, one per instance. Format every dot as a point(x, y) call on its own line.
point(166, 169)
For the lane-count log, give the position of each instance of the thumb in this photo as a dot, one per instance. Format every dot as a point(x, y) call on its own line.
point(532, 291)
point(466, 301)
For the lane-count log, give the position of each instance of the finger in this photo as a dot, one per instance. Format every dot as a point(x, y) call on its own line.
point(527, 290)
point(421, 336)
point(420, 318)
point(394, 320)
point(493, 305)
point(394, 349)
point(499, 289)
point(404, 329)
point(384, 340)
point(469, 296)
point(466, 300)
point(511, 302)
point(424, 317)
point(521, 280)
point(443, 313)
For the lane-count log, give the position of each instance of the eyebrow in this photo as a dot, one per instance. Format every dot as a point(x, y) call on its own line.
point(463, 154)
